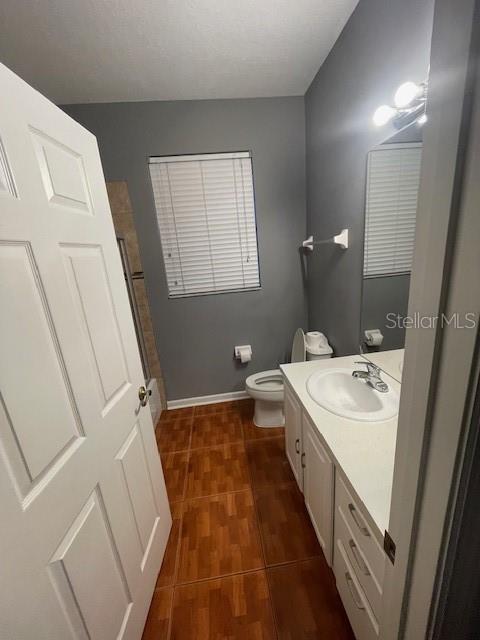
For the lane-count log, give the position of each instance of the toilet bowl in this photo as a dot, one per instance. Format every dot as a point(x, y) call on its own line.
point(266, 387)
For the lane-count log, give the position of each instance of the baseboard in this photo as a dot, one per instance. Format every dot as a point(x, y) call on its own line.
point(199, 400)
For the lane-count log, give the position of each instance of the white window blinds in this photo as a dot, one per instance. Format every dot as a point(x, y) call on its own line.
point(206, 215)
point(393, 178)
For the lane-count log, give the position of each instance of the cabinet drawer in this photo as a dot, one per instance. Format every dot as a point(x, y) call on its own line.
point(360, 565)
point(356, 521)
point(362, 619)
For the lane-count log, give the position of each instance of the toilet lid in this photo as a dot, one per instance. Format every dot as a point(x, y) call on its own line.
point(298, 347)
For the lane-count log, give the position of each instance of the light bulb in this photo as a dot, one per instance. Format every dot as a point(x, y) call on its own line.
point(422, 119)
point(383, 115)
point(406, 94)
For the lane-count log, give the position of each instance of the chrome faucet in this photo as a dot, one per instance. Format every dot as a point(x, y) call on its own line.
point(371, 376)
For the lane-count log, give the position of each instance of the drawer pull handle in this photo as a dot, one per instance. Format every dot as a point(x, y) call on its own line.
point(356, 519)
point(297, 445)
point(358, 558)
point(303, 460)
point(353, 591)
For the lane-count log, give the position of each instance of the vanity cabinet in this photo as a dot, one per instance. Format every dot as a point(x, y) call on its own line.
point(359, 564)
point(344, 528)
point(313, 470)
point(293, 434)
point(318, 475)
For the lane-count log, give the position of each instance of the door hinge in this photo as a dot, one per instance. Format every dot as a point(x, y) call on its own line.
point(389, 547)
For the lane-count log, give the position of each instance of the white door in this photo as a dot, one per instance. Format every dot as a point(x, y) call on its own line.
point(318, 488)
point(293, 435)
point(84, 512)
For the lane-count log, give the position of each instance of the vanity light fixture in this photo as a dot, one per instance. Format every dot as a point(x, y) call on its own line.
point(383, 114)
point(409, 106)
point(407, 93)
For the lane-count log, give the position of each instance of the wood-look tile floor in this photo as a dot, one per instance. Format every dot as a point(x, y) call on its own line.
point(242, 560)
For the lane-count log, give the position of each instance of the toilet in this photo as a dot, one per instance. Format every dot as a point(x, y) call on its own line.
point(266, 387)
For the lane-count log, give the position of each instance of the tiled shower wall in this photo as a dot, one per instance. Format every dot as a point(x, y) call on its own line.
point(122, 214)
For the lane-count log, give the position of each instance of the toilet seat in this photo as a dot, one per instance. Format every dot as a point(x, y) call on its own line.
point(266, 385)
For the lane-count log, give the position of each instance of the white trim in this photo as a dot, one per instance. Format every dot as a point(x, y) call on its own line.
point(199, 400)
point(200, 156)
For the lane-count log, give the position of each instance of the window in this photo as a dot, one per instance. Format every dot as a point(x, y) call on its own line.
point(206, 215)
point(393, 178)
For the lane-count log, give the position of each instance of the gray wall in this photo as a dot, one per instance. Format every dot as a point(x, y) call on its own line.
point(380, 297)
point(384, 43)
point(195, 336)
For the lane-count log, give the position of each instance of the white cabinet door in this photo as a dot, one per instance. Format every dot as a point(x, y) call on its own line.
point(318, 487)
point(85, 517)
point(293, 435)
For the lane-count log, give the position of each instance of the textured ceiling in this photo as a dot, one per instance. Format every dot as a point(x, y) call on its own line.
point(122, 50)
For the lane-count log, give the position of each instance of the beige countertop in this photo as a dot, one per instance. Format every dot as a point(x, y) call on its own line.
point(364, 451)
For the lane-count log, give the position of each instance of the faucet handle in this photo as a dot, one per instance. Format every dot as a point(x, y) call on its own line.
point(371, 368)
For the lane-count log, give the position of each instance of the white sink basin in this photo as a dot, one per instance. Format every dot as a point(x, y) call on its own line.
point(340, 393)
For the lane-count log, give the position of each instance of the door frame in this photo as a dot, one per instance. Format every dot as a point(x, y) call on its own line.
point(457, 613)
point(441, 363)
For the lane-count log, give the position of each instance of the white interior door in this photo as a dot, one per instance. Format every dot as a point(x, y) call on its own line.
point(84, 512)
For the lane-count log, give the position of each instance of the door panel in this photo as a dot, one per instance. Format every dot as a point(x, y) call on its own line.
point(135, 472)
point(33, 361)
point(85, 516)
point(7, 184)
point(293, 435)
point(103, 609)
point(318, 488)
point(63, 173)
point(85, 267)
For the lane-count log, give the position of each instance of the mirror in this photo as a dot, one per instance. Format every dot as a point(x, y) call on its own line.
point(392, 182)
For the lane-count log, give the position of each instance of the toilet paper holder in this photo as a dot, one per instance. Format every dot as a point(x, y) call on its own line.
point(243, 353)
point(373, 337)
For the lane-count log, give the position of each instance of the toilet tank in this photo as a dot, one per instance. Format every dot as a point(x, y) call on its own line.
point(312, 345)
point(319, 356)
point(317, 346)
